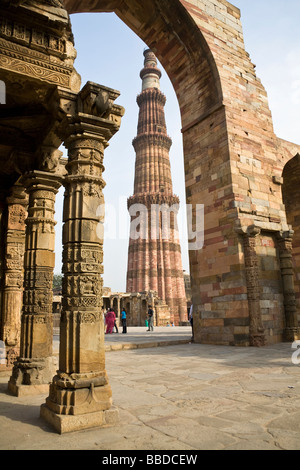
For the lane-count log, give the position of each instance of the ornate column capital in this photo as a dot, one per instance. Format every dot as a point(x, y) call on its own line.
point(91, 113)
point(286, 235)
point(49, 159)
point(251, 231)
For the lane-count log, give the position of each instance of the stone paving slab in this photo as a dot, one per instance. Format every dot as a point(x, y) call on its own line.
point(179, 397)
point(138, 337)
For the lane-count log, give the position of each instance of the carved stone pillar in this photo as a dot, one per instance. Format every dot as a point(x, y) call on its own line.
point(34, 368)
point(118, 313)
point(80, 395)
point(292, 329)
point(2, 265)
point(12, 295)
point(256, 329)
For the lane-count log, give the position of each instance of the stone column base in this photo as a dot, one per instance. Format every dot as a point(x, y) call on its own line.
point(27, 390)
point(257, 340)
point(69, 423)
point(291, 334)
point(32, 376)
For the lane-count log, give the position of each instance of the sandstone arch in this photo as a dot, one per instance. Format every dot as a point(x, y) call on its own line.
point(180, 46)
point(229, 150)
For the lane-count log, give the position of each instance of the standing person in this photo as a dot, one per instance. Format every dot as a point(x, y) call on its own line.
point(116, 326)
point(123, 318)
point(191, 320)
point(110, 321)
point(150, 318)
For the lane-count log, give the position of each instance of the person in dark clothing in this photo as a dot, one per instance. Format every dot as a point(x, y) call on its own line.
point(191, 321)
point(150, 319)
point(123, 318)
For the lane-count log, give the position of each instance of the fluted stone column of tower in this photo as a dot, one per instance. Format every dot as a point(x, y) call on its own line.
point(154, 255)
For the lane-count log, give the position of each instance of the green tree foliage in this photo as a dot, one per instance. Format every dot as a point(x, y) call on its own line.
point(57, 281)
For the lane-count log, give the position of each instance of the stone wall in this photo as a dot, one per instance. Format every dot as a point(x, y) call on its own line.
point(243, 190)
point(136, 306)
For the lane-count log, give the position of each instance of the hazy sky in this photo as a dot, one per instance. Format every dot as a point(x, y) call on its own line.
point(110, 54)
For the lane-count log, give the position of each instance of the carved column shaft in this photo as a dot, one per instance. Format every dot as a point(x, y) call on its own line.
point(2, 266)
point(82, 355)
point(292, 329)
point(34, 366)
point(82, 255)
point(14, 272)
point(256, 329)
point(39, 265)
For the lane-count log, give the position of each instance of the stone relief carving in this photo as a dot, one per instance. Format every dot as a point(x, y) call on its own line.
point(53, 3)
point(102, 104)
point(89, 317)
point(81, 317)
point(17, 215)
point(49, 159)
point(14, 280)
point(88, 255)
point(22, 32)
point(37, 301)
point(14, 256)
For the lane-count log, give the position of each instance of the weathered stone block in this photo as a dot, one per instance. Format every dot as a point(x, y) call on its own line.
point(65, 424)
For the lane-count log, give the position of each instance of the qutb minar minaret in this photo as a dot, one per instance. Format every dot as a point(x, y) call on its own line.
point(154, 255)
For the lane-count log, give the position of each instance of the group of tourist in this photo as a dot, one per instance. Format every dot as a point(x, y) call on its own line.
point(110, 320)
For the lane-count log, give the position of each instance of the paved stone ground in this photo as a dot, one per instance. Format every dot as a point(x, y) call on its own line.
point(177, 397)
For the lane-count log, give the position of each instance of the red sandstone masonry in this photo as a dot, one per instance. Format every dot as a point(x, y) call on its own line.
point(153, 185)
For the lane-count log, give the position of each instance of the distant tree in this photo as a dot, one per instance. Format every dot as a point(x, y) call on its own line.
point(57, 281)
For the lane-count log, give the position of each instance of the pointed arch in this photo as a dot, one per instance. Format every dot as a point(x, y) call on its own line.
point(178, 44)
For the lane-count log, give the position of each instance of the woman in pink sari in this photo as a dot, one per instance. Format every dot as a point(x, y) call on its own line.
point(110, 320)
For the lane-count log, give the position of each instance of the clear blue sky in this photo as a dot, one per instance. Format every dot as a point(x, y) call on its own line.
point(109, 53)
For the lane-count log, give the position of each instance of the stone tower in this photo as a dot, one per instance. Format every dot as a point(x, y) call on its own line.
point(154, 255)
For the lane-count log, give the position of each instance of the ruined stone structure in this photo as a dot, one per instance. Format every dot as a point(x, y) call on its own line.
point(245, 282)
point(154, 255)
point(136, 306)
